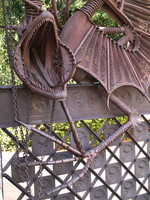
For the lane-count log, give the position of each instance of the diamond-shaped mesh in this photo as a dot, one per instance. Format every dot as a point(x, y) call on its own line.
point(121, 171)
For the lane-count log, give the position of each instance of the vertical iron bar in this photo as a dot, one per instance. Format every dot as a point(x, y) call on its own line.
point(73, 128)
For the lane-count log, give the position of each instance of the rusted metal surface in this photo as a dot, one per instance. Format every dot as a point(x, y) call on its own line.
point(39, 56)
point(82, 99)
point(1, 180)
point(116, 161)
point(113, 64)
point(47, 63)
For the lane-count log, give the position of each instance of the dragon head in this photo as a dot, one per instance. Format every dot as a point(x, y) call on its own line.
point(41, 60)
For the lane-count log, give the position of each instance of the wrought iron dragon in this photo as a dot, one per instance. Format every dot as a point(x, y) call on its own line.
point(46, 61)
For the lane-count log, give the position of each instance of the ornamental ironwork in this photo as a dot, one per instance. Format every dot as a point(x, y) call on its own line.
point(48, 55)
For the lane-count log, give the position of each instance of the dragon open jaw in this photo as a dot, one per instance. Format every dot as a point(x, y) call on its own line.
point(38, 59)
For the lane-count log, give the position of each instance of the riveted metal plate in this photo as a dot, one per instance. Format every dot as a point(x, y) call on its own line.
point(113, 173)
point(19, 172)
point(84, 138)
point(62, 168)
point(46, 183)
point(67, 196)
point(83, 183)
point(127, 151)
point(99, 161)
point(128, 189)
point(141, 167)
point(41, 146)
point(99, 193)
point(141, 132)
point(109, 130)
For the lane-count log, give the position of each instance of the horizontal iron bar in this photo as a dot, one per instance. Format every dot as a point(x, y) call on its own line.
point(83, 102)
point(16, 184)
point(42, 133)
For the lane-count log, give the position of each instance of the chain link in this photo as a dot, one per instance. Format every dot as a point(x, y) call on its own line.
point(9, 42)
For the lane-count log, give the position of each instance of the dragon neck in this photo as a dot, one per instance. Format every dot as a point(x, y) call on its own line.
point(31, 12)
point(91, 7)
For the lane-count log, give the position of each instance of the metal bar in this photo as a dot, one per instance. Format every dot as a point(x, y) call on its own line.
point(69, 174)
point(8, 27)
point(33, 5)
point(73, 180)
point(62, 10)
point(52, 154)
point(102, 170)
point(145, 119)
point(1, 180)
point(37, 159)
point(66, 146)
point(99, 175)
point(30, 164)
point(73, 128)
point(123, 165)
point(99, 132)
point(16, 184)
point(125, 174)
point(139, 189)
point(88, 94)
point(123, 106)
point(17, 152)
point(54, 6)
point(109, 140)
point(136, 143)
point(67, 10)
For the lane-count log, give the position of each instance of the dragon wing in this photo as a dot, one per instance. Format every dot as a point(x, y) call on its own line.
point(110, 63)
point(138, 12)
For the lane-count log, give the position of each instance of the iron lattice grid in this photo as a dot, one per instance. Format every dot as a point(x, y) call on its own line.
point(121, 171)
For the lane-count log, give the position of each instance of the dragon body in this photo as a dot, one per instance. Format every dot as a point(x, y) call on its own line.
point(46, 62)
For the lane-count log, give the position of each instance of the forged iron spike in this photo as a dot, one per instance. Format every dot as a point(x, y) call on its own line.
point(55, 14)
point(66, 146)
point(74, 131)
point(67, 10)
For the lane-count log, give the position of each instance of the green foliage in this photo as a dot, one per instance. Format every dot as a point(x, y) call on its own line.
point(17, 16)
point(6, 142)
